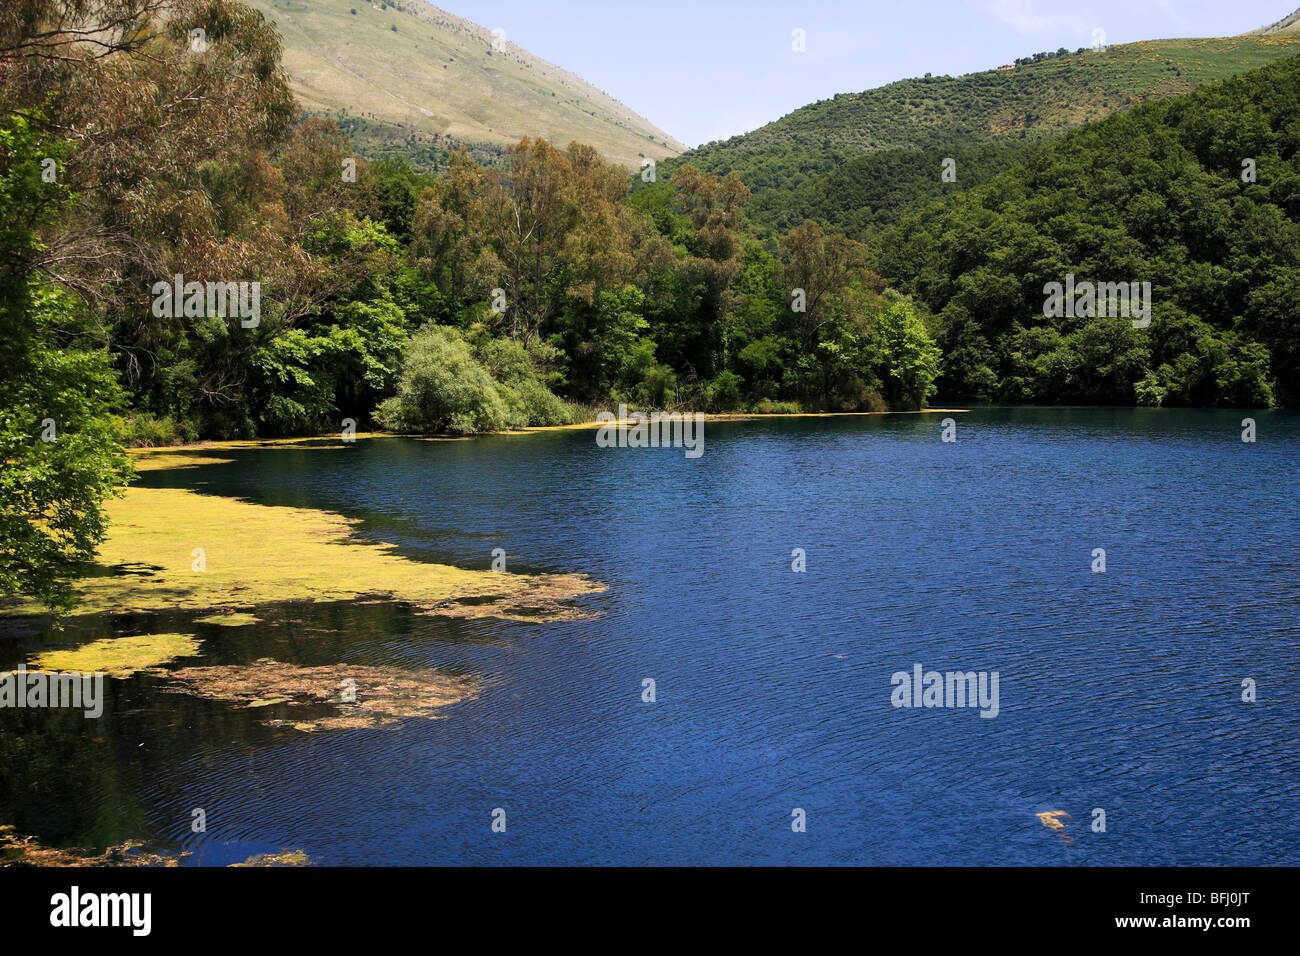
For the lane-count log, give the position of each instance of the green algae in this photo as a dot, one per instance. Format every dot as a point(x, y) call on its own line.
point(1056, 821)
point(233, 619)
point(283, 858)
point(18, 850)
point(176, 549)
point(168, 461)
point(118, 656)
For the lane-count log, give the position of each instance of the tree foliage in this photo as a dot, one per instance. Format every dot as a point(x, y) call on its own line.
point(1197, 195)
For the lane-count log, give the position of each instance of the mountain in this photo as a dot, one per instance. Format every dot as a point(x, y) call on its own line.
point(404, 76)
point(1288, 24)
point(851, 160)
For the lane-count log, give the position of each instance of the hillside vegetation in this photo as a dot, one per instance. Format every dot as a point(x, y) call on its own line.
point(406, 78)
point(858, 160)
point(1198, 195)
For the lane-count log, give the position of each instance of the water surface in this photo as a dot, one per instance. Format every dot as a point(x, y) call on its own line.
point(1119, 690)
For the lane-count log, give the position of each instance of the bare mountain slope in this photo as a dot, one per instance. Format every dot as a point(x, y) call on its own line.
point(411, 72)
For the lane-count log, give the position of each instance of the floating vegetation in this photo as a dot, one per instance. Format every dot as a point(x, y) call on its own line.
point(18, 850)
point(1056, 820)
point(351, 696)
point(175, 549)
point(283, 858)
point(28, 851)
point(233, 619)
point(119, 656)
point(167, 461)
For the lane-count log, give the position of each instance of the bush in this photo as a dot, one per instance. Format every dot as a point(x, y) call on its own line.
point(769, 407)
point(443, 388)
point(514, 368)
point(449, 385)
point(724, 393)
point(530, 403)
point(146, 430)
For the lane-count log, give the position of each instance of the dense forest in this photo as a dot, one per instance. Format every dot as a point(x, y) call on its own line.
point(192, 163)
point(152, 159)
point(1198, 195)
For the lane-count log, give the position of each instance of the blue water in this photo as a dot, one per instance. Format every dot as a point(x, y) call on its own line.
point(1119, 690)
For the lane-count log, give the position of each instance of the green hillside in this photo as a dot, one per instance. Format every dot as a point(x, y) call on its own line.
point(1197, 195)
point(403, 76)
point(852, 160)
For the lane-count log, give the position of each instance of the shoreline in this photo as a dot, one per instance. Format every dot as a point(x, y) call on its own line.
point(217, 444)
point(179, 549)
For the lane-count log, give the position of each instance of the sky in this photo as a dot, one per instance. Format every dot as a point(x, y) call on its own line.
point(708, 69)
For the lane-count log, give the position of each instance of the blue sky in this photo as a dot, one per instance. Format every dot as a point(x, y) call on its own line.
point(707, 69)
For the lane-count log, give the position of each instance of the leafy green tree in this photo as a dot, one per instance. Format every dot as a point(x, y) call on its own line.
point(451, 383)
point(61, 449)
point(908, 358)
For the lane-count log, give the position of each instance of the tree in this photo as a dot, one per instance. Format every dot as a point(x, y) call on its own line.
point(822, 268)
point(443, 389)
point(451, 384)
point(60, 439)
point(908, 357)
point(548, 228)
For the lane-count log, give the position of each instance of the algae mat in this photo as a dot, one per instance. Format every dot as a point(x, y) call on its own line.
point(18, 850)
point(359, 696)
point(119, 656)
point(176, 549)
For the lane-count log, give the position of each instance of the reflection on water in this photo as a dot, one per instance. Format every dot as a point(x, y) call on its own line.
point(1119, 691)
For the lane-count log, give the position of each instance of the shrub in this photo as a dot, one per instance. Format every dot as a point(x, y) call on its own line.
point(443, 388)
point(724, 393)
point(514, 368)
point(769, 407)
point(146, 430)
point(529, 402)
point(453, 384)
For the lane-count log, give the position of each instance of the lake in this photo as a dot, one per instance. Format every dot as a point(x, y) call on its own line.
point(1120, 691)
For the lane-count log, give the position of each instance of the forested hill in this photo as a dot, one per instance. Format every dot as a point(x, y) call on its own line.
point(408, 79)
point(855, 160)
point(1162, 194)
